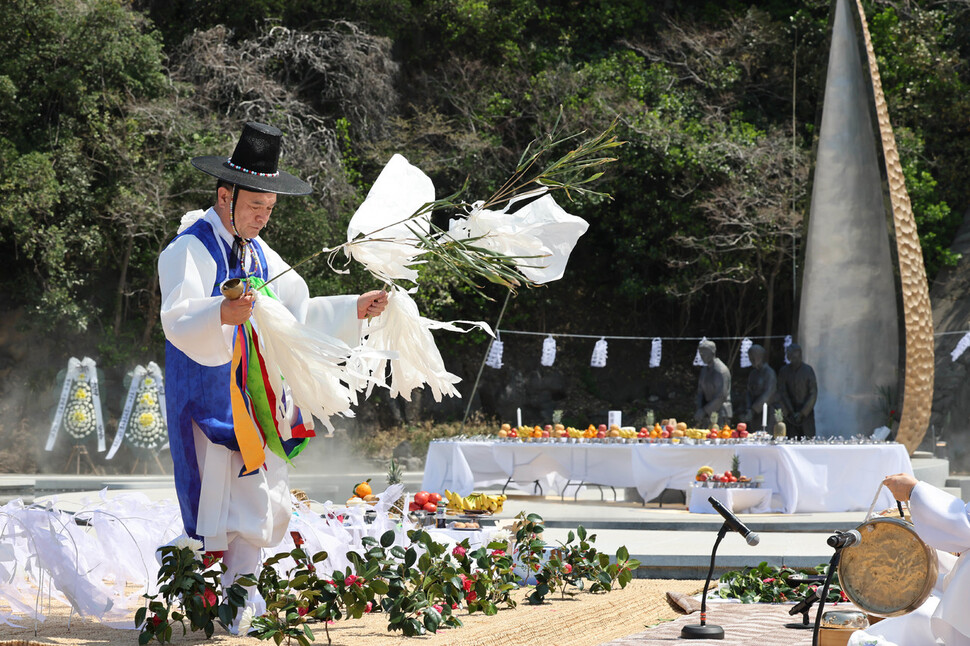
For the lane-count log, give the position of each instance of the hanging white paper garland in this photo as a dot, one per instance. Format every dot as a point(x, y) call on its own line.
point(745, 346)
point(962, 346)
point(697, 355)
point(598, 360)
point(548, 352)
point(494, 358)
point(788, 342)
point(655, 352)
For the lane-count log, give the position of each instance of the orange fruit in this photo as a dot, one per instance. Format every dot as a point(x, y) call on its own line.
point(363, 489)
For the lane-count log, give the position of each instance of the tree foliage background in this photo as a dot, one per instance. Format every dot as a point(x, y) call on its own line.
point(103, 102)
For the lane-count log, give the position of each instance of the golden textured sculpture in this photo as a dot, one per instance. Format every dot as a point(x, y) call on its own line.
point(917, 395)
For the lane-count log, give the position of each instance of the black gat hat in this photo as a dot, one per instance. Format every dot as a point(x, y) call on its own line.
point(255, 163)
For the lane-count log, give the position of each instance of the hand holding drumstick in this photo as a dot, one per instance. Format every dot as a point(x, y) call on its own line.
point(900, 485)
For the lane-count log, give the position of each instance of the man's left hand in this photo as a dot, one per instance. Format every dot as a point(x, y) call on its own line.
point(371, 304)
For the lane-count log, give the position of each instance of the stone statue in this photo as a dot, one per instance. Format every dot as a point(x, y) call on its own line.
point(797, 392)
point(762, 385)
point(713, 388)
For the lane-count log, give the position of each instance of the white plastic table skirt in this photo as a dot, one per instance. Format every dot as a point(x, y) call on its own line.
point(803, 478)
point(754, 500)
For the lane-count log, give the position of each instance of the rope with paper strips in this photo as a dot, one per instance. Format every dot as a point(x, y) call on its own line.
point(517, 237)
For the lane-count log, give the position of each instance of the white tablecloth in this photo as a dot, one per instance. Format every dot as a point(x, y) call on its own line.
point(755, 500)
point(803, 478)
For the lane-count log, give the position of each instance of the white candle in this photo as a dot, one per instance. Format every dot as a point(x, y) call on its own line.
point(764, 415)
point(518, 417)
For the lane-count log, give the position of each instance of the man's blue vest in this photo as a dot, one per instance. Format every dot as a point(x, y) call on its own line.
point(194, 392)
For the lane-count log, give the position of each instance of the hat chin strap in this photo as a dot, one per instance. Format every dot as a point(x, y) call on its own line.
point(238, 242)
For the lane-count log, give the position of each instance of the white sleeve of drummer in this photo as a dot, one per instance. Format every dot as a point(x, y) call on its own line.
point(191, 317)
point(333, 315)
point(941, 520)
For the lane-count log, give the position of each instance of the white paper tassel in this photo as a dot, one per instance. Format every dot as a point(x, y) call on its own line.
point(494, 357)
point(745, 346)
point(788, 342)
point(322, 372)
point(548, 351)
point(402, 330)
point(962, 346)
point(598, 360)
point(540, 235)
point(387, 245)
point(655, 352)
point(697, 355)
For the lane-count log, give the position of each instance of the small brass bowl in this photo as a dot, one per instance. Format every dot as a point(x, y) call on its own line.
point(233, 288)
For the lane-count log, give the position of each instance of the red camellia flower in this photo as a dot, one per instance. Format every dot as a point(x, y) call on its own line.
point(156, 620)
point(438, 608)
point(369, 606)
point(567, 568)
point(467, 584)
point(301, 610)
point(210, 558)
point(497, 553)
point(471, 596)
point(459, 551)
point(768, 580)
point(210, 598)
point(351, 578)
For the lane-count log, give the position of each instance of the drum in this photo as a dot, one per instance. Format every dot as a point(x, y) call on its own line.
point(891, 571)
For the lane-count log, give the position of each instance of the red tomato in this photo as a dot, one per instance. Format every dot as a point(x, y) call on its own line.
point(430, 507)
point(434, 497)
point(421, 498)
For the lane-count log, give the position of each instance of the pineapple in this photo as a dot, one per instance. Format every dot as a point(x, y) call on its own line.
point(780, 429)
point(736, 466)
point(394, 476)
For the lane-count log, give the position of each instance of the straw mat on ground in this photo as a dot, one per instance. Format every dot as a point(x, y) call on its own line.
point(583, 620)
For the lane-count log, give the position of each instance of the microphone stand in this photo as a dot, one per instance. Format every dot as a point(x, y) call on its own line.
point(703, 630)
point(833, 564)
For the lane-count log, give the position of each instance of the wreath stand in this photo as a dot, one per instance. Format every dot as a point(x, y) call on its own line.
point(138, 460)
point(77, 453)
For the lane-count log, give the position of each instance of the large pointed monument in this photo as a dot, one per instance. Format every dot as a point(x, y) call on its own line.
point(848, 319)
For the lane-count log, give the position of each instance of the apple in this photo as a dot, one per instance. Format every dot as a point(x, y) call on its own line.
point(547, 427)
point(503, 433)
point(430, 507)
point(742, 434)
point(513, 433)
point(545, 434)
point(602, 428)
point(665, 433)
point(506, 427)
point(434, 497)
point(702, 477)
point(742, 426)
point(735, 433)
point(600, 434)
point(421, 498)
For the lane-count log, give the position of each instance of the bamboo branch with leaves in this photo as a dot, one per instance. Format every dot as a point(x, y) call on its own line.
point(466, 258)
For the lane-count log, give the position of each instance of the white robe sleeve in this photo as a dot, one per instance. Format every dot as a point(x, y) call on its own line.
point(191, 317)
point(941, 520)
point(334, 315)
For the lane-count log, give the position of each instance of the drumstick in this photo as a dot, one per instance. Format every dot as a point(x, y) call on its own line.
point(899, 504)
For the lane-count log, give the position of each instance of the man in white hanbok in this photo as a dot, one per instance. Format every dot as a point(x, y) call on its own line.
point(942, 522)
point(230, 512)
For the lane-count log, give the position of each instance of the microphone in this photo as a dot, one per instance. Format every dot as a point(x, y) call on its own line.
point(844, 539)
point(732, 521)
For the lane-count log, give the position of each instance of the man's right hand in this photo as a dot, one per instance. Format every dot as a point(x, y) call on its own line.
point(238, 311)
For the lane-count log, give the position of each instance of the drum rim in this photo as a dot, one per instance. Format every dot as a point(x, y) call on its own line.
point(928, 583)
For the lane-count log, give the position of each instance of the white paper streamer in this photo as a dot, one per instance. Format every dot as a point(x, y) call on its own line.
point(494, 357)
point(548, 351)
point(788, 342)
point(386, 243)
point(697, 355)
point(540, 235)
point(401, 331)
point(655, 352)
point(322, 372)
point(598, 360)
point(962, 346)
point(745, 346)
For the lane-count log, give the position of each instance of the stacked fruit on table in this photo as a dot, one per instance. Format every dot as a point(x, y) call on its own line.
point(425, 501)
point(707, 474)
point(667, 429)
point(480, 502)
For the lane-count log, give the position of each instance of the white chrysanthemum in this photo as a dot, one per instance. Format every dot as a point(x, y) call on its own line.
point(500, 535)
point(245, 621)
point(192, 543)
